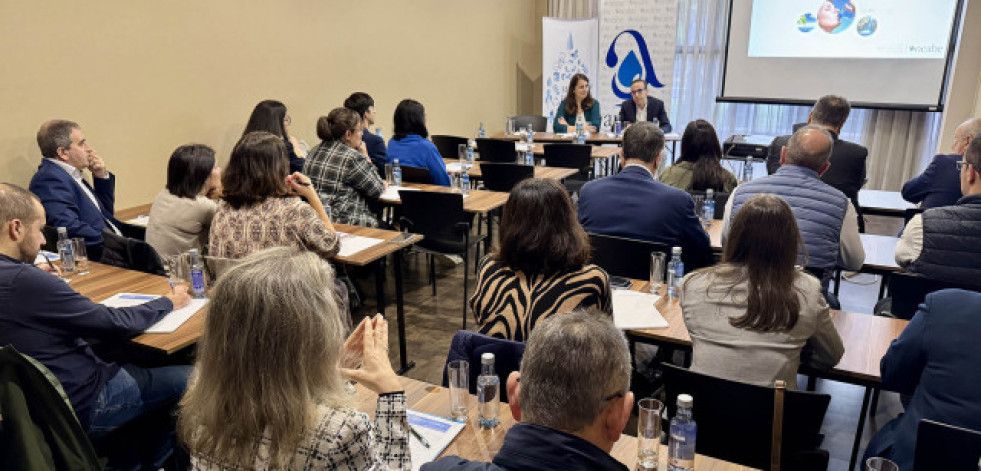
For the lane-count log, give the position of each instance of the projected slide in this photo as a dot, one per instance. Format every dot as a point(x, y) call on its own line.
point(872, 29)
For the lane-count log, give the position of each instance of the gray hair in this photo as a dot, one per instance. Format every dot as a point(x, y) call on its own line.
point(810, 147)
point(55, 134)
point(831, 110)
point(972, 127)
point(572, 363)
point(17, 203)
point(643, 141)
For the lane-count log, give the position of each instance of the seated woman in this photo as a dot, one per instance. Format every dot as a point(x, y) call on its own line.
point(540, 268)
point(267, 390)
point(341, 171)
point(750, 316)
point(271, 116)
point(410, 145)
point(700, 165)
point(261, 207)
point(578, 102)
point(181, 213)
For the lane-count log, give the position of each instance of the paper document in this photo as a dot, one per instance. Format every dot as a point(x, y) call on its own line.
point(392, 193)
point(454, 167)
point(168, 323)
point(352, 244)
point(523, 146)
point(439, 432)
point(141, 220)
point(41, 255)
point(635, 310)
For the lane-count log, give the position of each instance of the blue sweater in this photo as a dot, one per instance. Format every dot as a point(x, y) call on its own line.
point(415, 151)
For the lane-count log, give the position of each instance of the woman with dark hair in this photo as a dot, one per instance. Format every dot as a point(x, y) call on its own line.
point(409, 143)
point(261, 205)
point(341, 171)
point(700, 166)
point(271, 116)
point(750, 316)
point(578, 101)
point(181, 213)
point(541, 266)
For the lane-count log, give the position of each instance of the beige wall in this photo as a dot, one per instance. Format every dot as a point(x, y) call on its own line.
point(144, 77)
point(964, 92)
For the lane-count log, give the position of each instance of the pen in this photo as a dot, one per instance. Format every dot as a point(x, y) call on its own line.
point(422, 440)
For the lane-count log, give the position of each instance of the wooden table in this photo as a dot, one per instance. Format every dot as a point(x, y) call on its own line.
point(594, 138)
point(479, 201)
point(482, 445)
point(883, 203)
point(554, 173)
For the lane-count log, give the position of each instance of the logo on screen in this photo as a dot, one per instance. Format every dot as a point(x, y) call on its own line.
point(635, 64)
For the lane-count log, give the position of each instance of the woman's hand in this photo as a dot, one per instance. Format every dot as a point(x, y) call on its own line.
point(376, 371)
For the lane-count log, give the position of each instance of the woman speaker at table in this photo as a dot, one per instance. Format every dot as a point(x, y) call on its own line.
point(578, 101)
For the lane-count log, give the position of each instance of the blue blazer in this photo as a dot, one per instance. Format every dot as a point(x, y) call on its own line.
point(632, 204)
point(655, 109)
point(936, 360)
point(938, 185)
point(67, 205)
point(375, 146)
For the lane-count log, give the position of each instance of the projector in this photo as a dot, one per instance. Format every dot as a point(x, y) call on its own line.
point(747, 145)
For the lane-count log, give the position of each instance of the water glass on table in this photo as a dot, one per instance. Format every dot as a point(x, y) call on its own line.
point(699, 201)
point(880, 464)
point(81, 256)
point(459, 379)
point(389, 179)
point(659, 262)
point(648, 433)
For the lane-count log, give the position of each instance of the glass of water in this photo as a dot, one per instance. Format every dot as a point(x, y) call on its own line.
point(659, 262)
point(510, 126)
point(81, 256)
point(880, 464)
point(389, 179)
point(648, 433)
point(459, 379)
point(699, 201)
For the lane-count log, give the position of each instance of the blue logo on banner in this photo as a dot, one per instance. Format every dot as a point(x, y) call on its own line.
point(631, 67)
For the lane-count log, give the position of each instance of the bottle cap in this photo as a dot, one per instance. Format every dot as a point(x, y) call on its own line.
point(193, 252)
point(487, 358)
point(709, 192)
point(675, 249)
point(62, 230)
point(685, 400)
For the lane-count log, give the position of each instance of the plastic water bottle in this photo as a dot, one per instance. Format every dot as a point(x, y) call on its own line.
point(681, 445)
point(481, 132)
point(488, 393)
point(580, 129)
point(66, 251)
point(748, 170)
point(464, 181)
point(676, 271)
point(529, 157)
point(197, 274)
point(470, 147)
point(530, 137)
point(708, 208)
point(617, 126)
point(378, 132)
point(396, 173)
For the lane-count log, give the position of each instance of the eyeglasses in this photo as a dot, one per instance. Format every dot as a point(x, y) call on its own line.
point(961, 163)
point(637, 92)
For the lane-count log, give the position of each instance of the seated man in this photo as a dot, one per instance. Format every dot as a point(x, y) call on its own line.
point(941, 243)
point(643, 108)
point(940, 183)
point(362, 104)
point(936, 360)
point(67, 198)
point(571, 410)
point(44, 318)
point(635, 205)
point(826, 218)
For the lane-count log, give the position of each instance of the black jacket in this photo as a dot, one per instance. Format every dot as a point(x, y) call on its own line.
point(655, 109)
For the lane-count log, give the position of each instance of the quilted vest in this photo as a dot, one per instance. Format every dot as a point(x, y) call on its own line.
point(952, 242)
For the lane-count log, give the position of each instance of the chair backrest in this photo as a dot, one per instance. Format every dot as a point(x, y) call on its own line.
point(132, 231)
point(503, 177)
point(620, 256)
point(735, 420)
point(50, 238)
point(941, 446)
point(131, 254)
point(496, 150)
point(538, 123)
point(416, 175)
point(908, 291)
point(567, 155)
point(439, 217)
point(469, 346)
point(720, 202)
point(448, 146)
point(909, 213)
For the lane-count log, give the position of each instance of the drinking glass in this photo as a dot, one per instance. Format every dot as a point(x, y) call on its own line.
point(659, 261)
point(388, 175)
point(699, 201)
point(880, 464)
point(459, 379)
point(81, 256)
point(510, 126)
point(656, 122)
point(648, 433)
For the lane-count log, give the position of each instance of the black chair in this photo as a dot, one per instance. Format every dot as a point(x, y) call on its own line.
point(503, 177)
point(909, 290)
point(132, 254)
point(416, 175)
point(736, 420)
point(538, 123)
point(909, 213)
point(629, 258)
point(497, 150)
point(578, 156)
point(441, 219)
point(132, 231)
point(469, 346)
point(449, 146)
point(720, 202)
point(50, 238)
point(946, 447)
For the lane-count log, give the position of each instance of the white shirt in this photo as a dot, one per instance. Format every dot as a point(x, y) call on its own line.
point(642, 113)
point(910, 245)
point(76, 175)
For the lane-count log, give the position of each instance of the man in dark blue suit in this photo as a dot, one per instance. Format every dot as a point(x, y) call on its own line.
point(643, 108)
point(940, 183)
point(362, 104)
point(68, 199)
point(633, 204)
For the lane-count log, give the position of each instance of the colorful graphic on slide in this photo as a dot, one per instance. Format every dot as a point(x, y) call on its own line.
point(631, 67)
point(866, 26)
point(806, 22)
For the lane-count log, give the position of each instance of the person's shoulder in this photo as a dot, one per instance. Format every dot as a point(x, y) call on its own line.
point(455, 463)
point(656, 101)
point(594, 271)
point(850, 149)
point(955, 300)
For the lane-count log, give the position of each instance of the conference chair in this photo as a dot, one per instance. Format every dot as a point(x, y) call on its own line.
point(628, 258)
point(132, 254)
point(720, 202)
point(416, 175)
point(565, 155)
point(538, 123)
point(469, 346)
point(440, 218)
point(942, 447)
point(50, 238)
point(908, 291)
point(755, 426)
point(503, 177)
point(448, 146)
point(496, 150)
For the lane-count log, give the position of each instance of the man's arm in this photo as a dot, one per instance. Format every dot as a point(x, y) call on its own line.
point(917, 187)
point(903, 363)
point(696, 241)
point(105, 192)
point(773, 154)
point(727, 217)
point(377, 151)
point(852, 253)
point(624, 115)
point(58, 198)
point(910, 244)
point(662, 117)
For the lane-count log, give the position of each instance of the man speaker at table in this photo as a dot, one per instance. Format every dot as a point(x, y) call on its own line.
point(940, 182)
point(42, 317)
point(572, 398)
point(641, 107)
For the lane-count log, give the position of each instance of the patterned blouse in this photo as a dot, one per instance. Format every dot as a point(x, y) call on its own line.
point(343, 439)
point(275, 222)
point(344, 179)
point(508, 304)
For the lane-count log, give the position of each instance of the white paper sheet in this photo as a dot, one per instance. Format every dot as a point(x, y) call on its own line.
point(437, 430)
point(41, 255)
point(392, 193)
point(141, 220)
point(454, 167)
point(352, 244)
point(168, 323)
point(635, 310)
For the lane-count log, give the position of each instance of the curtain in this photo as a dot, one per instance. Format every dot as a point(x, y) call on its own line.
point(572, 9)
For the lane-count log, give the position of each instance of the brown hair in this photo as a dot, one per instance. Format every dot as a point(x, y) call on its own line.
point(700, 145)
point(338, 122)
point(570, 95)
point(256, 170)
point(54, 135)
point(539, 230)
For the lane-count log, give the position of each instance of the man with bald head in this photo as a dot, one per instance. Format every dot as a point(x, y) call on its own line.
point(940, 183)
point(826, 217)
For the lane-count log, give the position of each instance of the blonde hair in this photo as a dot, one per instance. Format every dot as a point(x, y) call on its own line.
point(268, 358)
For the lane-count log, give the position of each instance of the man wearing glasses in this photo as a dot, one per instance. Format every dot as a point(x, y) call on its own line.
point(643, 108)
point(939, 184)
point(941, 243)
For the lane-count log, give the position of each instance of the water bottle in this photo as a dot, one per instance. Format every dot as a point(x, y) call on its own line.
point(676, 271)
point(529, 157)
point(681, 445)
point(66, 251)
point(470, 147)
point(748, 170)
point(481, 132)
point(197, 274)
point(708, 208)
point(530, 137)
point(580, 129)
point(464, 181)
point(617, 126)
point(378, 132)
point(396, 173)
point(488, 393)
